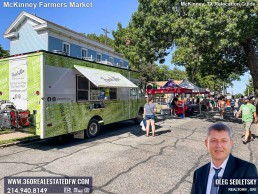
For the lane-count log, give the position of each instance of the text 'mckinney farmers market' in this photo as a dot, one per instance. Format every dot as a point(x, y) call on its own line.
point(42, 4)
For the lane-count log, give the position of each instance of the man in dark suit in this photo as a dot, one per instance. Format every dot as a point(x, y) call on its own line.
point(219, 144)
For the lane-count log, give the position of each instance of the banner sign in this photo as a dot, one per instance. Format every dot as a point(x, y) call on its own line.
point(18, 83)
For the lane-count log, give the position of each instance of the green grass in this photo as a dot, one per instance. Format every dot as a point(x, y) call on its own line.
point(29, 130)
point(5, 131)
point(18, 139)
point(26, 129)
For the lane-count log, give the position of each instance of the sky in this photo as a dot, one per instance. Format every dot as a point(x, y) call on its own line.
point(100, 14)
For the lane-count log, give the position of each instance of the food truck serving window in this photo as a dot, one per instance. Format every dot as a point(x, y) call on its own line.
point(111, 93)
point(86, 90)
point(82, 89)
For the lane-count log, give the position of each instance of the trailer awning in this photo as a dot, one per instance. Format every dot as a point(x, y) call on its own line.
point(103, 78)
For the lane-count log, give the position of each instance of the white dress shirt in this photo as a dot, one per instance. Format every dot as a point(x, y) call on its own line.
point(212, 173)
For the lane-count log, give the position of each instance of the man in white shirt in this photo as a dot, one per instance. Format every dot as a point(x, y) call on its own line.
point(219, 144)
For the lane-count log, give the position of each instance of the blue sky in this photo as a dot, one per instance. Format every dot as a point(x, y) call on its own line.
point(102, 14)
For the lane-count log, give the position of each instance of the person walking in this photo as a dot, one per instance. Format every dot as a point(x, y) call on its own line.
point(227, 102)
point(212, 103)
point(216, 102)
point(206, 102)
point(248, 112)
point(222, 163)
point(197, 100)
point(232, 103)
point(174, 105)
point(222, 106)
point(149, 116)
point(240, 101)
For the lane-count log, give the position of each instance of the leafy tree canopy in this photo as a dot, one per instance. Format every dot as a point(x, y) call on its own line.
point(102, 38)
point(218, 41)
point(249, 88)
point(154, 72)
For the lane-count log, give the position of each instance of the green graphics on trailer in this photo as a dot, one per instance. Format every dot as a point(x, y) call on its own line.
point(65, 94)
point(19, 83)
point(35, 89)
point(4, 79)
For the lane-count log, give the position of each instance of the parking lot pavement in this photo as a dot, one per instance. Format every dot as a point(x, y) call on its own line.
point(166, 163)
point(123, 160)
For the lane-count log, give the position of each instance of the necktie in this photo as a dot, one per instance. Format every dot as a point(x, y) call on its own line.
point(214, 188)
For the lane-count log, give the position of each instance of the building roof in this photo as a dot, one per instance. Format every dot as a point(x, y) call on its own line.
point(45, 24)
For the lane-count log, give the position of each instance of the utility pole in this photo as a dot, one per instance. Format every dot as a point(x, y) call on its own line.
point(223, 89)
point(106, 32)
point(248, 84)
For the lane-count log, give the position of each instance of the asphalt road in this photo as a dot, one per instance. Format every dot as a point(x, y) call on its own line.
point(122, 160)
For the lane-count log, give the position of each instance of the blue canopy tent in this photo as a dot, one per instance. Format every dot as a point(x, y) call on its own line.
point(195, 89)
point(170, 84)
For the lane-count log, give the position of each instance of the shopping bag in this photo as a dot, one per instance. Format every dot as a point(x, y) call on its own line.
point(143, 125)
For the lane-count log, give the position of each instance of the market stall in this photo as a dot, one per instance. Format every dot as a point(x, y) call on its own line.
point(172, 88)
point(169, 91)
point(195, 90)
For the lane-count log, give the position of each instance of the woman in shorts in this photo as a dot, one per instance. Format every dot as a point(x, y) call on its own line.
point(149, 116)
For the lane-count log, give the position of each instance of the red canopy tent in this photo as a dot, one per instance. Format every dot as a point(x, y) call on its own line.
point(177, 90)
point(172, 87)
point(168, 88)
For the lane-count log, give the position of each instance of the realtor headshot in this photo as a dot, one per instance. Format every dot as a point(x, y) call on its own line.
point(223, 164)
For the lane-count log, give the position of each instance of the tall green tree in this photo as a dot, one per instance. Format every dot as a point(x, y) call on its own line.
point(4, 53)
point(177, 74)
point(249, 90)
point(154, 72)
point(164, 72)
point(148, 72)
point(101, 38)
point(211, 39)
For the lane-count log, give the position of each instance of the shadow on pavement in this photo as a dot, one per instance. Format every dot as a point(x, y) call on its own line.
point(118, 129)
point(213, 116)
point(64, 141)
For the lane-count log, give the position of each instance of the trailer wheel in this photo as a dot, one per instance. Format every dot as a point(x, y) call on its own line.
point(138, 119)
point(93, 129)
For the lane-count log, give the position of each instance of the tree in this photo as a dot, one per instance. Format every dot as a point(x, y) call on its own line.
point(178, 74)
point(249, 88)
point(238, 95)
point(165, 73)
point(219, 41)
point(101, 38)
point(4, 53)
point(154, 72)
point(148, 72)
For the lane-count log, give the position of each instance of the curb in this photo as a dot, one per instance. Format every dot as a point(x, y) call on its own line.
point(20, 142)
